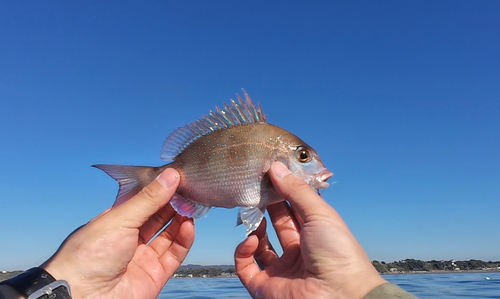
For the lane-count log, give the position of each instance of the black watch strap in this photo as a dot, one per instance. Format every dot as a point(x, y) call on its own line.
point(36, 283)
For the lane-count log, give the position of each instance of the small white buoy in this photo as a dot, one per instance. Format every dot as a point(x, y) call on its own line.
point(487, 278)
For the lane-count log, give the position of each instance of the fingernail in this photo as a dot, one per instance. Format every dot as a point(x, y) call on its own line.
point(280, 170)
point(168, 178)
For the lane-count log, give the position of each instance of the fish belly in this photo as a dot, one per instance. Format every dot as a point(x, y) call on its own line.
point(225, 185)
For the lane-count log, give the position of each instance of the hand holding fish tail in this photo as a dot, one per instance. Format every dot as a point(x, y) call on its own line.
point(321, 258)
point(109, 257)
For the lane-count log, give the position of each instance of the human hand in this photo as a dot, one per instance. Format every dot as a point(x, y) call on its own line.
point(108, 257)
point(321, 258)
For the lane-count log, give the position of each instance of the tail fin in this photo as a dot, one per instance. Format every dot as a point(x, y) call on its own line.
point(131, 179)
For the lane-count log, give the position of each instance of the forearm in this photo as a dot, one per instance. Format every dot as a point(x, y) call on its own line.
point(7, 292)
point(389, 291)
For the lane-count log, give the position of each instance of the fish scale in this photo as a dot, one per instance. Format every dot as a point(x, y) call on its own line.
point(222, 160)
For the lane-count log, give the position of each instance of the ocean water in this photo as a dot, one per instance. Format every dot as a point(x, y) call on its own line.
point(437, 286)
point(449, 285)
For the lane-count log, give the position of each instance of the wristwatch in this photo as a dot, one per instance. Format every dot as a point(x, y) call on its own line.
point(36, 283)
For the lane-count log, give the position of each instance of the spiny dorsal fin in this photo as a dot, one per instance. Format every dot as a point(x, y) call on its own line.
point(243, 112)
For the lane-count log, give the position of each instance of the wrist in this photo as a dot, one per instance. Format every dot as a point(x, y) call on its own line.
point(54, 271)
point(369, 280)
point(34, 283)
point(9, 292)
point(58, 271)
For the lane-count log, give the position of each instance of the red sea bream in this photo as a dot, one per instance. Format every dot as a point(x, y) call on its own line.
point(223, 159)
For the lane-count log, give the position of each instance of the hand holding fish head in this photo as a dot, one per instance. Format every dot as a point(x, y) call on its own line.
point(305, 163)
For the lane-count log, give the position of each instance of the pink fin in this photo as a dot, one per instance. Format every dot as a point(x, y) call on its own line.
point(130, 178)
point(188, 208)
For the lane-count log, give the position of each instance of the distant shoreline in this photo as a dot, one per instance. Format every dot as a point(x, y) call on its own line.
point(389, 273)
point(441, 272)
point(434, 266)
point(8, 274)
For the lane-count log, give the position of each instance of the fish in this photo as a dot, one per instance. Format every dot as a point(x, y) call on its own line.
point(223, 159)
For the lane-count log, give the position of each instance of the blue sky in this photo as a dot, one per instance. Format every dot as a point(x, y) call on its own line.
point(400, 99)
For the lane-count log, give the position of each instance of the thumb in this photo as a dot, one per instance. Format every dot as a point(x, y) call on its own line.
point(137, 210)
point(301, 196)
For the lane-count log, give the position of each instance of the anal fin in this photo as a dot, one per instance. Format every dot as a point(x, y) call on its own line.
point(187, 208)
point(250, 217)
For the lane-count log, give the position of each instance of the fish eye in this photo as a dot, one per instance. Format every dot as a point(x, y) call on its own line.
point(303, 155)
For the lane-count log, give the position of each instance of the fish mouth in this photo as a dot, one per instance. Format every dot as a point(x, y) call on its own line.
point(320, 180)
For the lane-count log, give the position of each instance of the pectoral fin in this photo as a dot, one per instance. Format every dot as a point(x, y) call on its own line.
point(250, 217)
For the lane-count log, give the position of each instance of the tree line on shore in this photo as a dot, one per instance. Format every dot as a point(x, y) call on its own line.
point(205, 272)
point(412, 265)
point(407, 265)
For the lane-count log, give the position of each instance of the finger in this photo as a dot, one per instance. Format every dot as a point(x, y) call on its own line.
point(285, 224)
point(302, 197)
point(155, 223)
point(137, 210)
point(164, 240)
point(265, 254)
point(174, 243)
point(244, 264)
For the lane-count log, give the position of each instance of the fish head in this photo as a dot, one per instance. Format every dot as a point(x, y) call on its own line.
point(305, 162)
